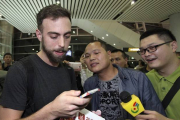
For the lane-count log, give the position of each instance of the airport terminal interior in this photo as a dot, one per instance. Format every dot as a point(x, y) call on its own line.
point(63, 77)
point(119, 23)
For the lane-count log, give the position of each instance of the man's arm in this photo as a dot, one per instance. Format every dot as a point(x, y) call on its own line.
point(9, 114)
point(66, 104)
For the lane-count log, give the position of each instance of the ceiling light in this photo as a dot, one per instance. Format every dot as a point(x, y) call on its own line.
point(114, 44)
point(74, 32)
point(133, 2)
point(91, 31)
point(133, 49)
point(58, 2)
point(107, 35)
point(33, 49)
point(102, 37)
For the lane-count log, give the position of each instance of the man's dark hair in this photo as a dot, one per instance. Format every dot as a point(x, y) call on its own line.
point(162, 34)
point(103, 44)
point(7, 54)
point(54, 11)
point(119, 50)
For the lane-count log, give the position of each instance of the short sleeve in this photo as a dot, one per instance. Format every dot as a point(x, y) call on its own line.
point(15, 88)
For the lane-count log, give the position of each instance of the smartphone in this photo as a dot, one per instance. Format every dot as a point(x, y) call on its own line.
point(90, 92)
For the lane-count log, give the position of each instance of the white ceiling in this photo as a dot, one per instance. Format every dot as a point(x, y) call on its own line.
point(22, 13)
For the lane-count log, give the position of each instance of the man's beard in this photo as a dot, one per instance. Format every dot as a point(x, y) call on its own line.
point(51, 56)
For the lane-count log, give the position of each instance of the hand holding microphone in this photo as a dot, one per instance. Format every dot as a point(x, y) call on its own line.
point(131, 103)
point(133, 106)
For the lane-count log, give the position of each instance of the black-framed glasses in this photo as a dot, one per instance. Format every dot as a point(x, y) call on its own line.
point(150, 49)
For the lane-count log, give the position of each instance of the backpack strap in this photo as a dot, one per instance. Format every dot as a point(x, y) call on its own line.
point(27, 63)
point(169, 96)
point(71, 73)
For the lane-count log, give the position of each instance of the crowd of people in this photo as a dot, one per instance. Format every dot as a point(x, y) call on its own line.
point(44, 86)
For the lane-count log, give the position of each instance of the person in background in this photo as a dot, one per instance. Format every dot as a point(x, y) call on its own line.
point(55, 95)
point(7, 61)
point(158, 49)
point(145, 69)
point(69, 58)
point(140, 65)
point(80, 72)
point(112, 80)
point(3, 74)
point(0, 65)
point(85, 72)
point(119, 57)
point(4, 67)
point(77, 56)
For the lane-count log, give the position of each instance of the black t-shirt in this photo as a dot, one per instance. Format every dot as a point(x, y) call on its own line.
point(109, 99)
point(49, 82)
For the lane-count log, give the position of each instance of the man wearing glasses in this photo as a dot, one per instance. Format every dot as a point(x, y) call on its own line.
point(158, 48)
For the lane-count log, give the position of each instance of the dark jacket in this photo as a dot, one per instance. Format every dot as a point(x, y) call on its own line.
point(134, 82)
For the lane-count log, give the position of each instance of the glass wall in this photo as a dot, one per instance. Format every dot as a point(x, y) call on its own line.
point(6, 31)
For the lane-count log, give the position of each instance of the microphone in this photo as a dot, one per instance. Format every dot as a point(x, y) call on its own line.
point(131, 103)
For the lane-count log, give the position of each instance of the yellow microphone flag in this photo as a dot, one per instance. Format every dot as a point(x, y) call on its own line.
point(134, 106)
